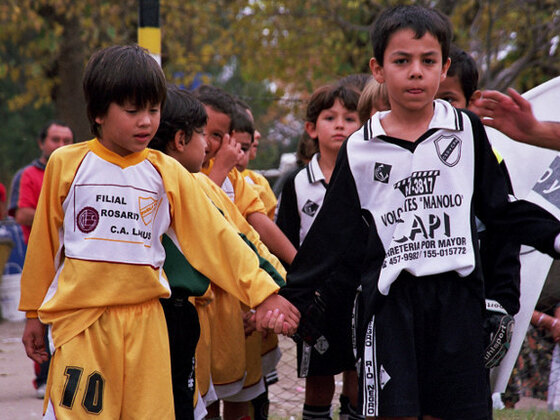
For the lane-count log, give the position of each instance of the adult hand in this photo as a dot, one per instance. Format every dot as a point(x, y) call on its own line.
point(511, 114)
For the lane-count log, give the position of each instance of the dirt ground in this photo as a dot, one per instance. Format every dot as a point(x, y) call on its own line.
point(18, 400)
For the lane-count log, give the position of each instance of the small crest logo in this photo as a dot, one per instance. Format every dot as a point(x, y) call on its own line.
point(448, 149)
point(310, 208)
point(148, 209)
point(381, 172)
point(87, 219)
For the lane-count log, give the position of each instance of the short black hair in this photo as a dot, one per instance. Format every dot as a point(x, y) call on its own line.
point(417, 18)
point(241, 122)
point(358, 80)
point(121, 73)
point(181, 111)
point(464, 67)
point(45, 130)
point(216, 98)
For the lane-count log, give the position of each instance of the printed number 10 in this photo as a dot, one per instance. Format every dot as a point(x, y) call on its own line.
point(93, 396)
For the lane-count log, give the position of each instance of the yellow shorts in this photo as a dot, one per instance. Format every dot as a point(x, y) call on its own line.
point(118, 368)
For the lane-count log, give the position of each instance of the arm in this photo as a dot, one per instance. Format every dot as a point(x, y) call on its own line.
point(25, 215)
point(272, 237)
point(513, 116)
point(287, 218)
point(521, 221)
point(34, 340)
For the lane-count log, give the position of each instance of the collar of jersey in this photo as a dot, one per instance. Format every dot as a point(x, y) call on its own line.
point(445, 117)
point(314, 172)
point(114, 158)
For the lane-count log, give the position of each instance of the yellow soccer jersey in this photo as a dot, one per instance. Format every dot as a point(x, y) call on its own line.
point(96, 237)
point(240, 192)
point(263, 189)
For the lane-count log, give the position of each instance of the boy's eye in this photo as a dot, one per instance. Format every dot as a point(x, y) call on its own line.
point(351, 119)
point(400, 61)
point(429, 61)
point(216, 136)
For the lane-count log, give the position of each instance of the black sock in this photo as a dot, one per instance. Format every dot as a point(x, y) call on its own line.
point(316, 412)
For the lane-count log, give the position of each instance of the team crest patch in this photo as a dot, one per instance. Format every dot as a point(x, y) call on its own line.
point(310, 208)
point(448, 149)
point(148, 209)
point(381, 172)
point(87, 219)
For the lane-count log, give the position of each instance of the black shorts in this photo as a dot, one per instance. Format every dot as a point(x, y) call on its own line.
point(339, 356)
point(423, 352)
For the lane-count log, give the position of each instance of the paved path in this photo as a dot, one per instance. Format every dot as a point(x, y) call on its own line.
point(17, 395)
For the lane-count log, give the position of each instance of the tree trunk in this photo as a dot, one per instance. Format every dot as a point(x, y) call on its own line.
point(68, 95)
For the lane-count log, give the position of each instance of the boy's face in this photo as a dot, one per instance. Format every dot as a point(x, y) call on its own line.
point(244, 139)
point(412, 70)
point(255, 145)
point(127, 129)
point(451, 91)
point(195, 151)
point(216, 128)
point(333, 126)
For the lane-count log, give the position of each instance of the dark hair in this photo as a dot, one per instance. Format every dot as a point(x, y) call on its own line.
point(464, 67)
point(241, 122)
point(357, 80)
point(181, 111)
point(216, 98)
point(45, 130)
point(324, 97)
point(417, 18)
point(118, 74)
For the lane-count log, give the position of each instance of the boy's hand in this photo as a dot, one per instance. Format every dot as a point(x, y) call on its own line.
point(249, 324)
point(228, 154)
point(277, 314)
point(34, 340)
point(498, 326)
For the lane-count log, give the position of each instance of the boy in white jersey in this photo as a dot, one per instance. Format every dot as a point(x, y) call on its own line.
point(399, 213)
point(94, 265)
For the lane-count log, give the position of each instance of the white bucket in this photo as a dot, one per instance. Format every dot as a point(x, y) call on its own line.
point(9, 297)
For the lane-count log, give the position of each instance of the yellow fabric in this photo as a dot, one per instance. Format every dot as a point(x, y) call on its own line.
point(202, 356)
point(80, 289)
point(263, 189)
point(246, 198)
point(133, 333)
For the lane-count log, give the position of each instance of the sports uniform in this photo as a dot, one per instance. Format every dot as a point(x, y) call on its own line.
point(400, 216)
point(25, 190)
point(301, 199)
point(95, 255)
point(261, 185)
point(227, 339)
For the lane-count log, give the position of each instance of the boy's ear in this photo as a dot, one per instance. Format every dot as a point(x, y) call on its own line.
point(444, 69)
point(477, 94)
point(311, 129)
point(179, 141)
point(376, 70)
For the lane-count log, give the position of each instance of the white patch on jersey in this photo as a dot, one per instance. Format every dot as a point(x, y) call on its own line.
point(422, 213)
point(227, 187)
point(384, 377)
point(110, 217)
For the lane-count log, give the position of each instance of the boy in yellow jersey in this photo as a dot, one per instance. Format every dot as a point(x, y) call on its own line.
point(219, 165)
point(181, 136)
point(94, 267)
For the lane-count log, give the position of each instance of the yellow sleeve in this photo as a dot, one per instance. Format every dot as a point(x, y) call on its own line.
point(234, 216)
point(208, 241)
point(44, 251)
point(265, 192)
point(246, 198)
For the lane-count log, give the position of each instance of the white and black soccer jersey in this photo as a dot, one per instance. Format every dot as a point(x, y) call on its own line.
point(395, 206)
point(302, 197)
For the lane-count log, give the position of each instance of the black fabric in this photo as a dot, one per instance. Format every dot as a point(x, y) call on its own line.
point(184, 331)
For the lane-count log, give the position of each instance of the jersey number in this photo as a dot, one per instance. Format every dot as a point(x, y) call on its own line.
point(93, 396)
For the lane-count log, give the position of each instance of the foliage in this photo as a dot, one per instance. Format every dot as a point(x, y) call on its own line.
point(280, 49)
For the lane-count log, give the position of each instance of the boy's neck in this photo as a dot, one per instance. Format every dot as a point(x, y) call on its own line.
point(408, 125)
point(326, 163)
